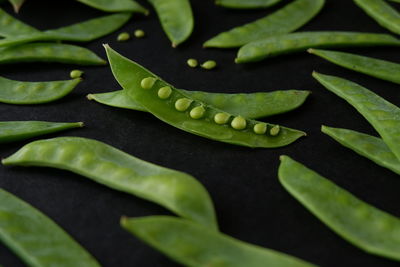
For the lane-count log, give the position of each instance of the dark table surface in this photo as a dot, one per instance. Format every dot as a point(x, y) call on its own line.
point(251, 204)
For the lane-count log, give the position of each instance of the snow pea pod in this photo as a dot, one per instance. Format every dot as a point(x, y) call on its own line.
point(192, 244)
point(381, 12)
point(285, 20)
point(23, 93)
point(10, 26)
point(176, 191)
point(115, 5)
point(378, 68)
point(176, 109)
point(365, 145)
point(11, 131)
point(301, 41)
point(252, 106)
point(16, 4)
point(49, 52)
point(247, 4)
point(363, 225)
point(37, 239)
point(381, 114)
point(176, 18)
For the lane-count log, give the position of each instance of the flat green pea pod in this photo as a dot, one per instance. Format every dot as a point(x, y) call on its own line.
point(377, 68)
point(365, 145)
point(49, 52)
point(363, 225)
point(12, 131)
point(301, 41)
point(246, 4)
point(192, 244)
point(10, 26)
point(176, 18)
point(176, 191)
point(115, 5)
point(381, 114)
point(381, 12)
point(16, 4)
point(176, 109)
point(37, 239)
point(28, 93)
point(252, 106)
point(285, 20)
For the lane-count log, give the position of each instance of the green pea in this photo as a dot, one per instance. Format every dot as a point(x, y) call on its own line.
point(122, 37)
point(275, 130)
point(76, 74)
point(148, 83)
point(260, 128)
point(164, 92)
point(183, 104)
point(221, 118)
point(209, 65)
point(197, 112)
point(193, 63)
point(139, 33)
point(239, 123)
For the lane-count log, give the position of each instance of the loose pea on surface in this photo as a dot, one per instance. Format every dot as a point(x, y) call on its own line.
point(197, 112)
point(260, 128)
point(124, 36)
point(148, 83)
point(209, 65)
point(139, 33)
point(182, 104)
point(239, 123)
point(164, 92)
point(275, 130)
point(221, 118)
point(76, 74)
point(193, 63)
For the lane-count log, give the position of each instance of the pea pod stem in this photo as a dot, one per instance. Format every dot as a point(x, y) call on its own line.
point(17, 4)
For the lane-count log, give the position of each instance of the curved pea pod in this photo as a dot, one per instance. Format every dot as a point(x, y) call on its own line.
point(16, 4)
point(115, 5)
point(363, 225)
point(176, 191)
point(252, 106)
point(176, 18)
point(192, 244)
point(301, 41)
point(249, 4)
point(11, 131)
point(37, 239)
point(10, 26)
point(381, 114)
point(176, 109)
point(377, 68)
point(285, 20)
point(365, 145)
point(49, 52)
point(382, 13)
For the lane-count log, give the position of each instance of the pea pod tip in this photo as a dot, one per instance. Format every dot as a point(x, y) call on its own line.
point(90, 96)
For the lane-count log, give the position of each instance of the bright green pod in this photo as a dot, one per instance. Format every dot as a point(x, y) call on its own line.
point(10, 26)
point(377, 68)
point(16, 4)
point(116, 5)
point(247, 4)
point(37, 239)
point(191, 244)
point(174, 190)
point(287, 19)
point(363, 225)
point(12, 131)
point(301, 41)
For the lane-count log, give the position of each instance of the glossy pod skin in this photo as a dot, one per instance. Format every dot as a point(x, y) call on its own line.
point(38, 240)
point(381, 114)
point(130, 76)
point(12, 131)
point(49, 52)
point(24, 93)
point(381, 12)
point(176, 191)
point(248, 4)
point(301, 41)
point(115, 5)
point(191, 244)
point(365, 145)
point(10, 26)
point(252, 106)
point(377, 68)
point(285, 20)
point(363, 225)
point(176, 18)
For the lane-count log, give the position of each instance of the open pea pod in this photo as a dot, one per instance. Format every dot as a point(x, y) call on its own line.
point(381, 114)
point(16, 4)
point(180, 110)
point(363, 225)
point(10, 26)
point(115, 5)
point(192, 244)
point(174, 190)
point(248, 4)
point(38, 240)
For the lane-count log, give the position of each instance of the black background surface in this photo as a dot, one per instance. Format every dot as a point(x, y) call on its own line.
point(251, 204)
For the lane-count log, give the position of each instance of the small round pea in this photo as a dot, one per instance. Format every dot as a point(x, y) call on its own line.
point(209, 65)
point(197, 112)
point(193, 63)
point(139, 33)
point(182, 104)
point(164, 92)
point(275, 130)
point(221, 118)
point(239, 123)
point(260, 128)
point(148, 83)
point(124, 36)
point(74, 74)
